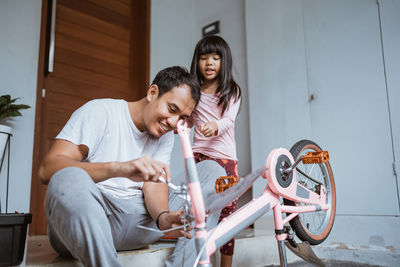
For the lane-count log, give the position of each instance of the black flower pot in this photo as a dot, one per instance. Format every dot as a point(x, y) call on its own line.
point(13, 228)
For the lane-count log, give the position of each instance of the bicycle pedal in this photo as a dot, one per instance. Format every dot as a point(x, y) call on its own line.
point(315, 157)
point(224, 182)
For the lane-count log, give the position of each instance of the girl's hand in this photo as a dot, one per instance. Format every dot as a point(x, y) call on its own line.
point(209, 129)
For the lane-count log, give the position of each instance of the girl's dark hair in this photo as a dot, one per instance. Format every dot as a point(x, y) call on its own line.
point(227, 88)
point(171, 77)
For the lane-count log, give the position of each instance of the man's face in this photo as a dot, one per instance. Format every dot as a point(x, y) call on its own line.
point(162, 114)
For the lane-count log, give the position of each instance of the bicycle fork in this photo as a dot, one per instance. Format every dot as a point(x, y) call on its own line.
point(282, 233)
point(282, 245)
point(282, 253)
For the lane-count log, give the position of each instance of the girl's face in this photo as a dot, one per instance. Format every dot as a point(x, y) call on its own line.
point(210, 66)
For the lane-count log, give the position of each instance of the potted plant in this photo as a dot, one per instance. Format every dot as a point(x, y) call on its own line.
point(7, 110)
point(13, 226)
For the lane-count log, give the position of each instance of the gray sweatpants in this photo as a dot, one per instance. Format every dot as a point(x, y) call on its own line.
point(91, 225)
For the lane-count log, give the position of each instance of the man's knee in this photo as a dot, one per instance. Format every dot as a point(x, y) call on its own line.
point(69, 179)
point(70, 189)
point(209, 171)
point(211, 168)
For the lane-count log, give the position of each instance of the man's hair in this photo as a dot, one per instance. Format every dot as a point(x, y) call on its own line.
point(171, 77)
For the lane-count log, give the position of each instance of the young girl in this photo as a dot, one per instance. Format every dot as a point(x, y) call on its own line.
point(214, 116)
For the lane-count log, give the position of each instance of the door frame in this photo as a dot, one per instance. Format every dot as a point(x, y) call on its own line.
point(139, 80)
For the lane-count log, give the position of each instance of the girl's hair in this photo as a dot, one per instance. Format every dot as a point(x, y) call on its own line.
point(227, 88)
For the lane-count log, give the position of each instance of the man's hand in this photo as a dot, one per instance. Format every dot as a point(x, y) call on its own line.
point(174, 219)
point(143, 169)
point(209, 129)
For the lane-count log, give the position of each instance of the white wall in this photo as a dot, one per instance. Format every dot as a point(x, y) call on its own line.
point(172, 42)
point(172, 34)
point(19, 50)
point(331, 49)
point(278, 106)
point(390, 10)
point(176, 28)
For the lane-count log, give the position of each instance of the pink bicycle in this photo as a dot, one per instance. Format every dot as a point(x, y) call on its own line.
point(302, 177)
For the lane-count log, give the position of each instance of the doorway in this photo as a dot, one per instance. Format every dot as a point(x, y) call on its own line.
point(88, 49)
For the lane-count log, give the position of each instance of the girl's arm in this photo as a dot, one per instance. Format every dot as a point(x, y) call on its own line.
point(228, 119)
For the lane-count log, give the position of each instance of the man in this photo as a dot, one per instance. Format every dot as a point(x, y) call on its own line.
point(103, 172)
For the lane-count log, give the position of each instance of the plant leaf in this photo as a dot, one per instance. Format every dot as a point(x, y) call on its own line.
point(8, 109)
point(20, 106)
point(7, 97)
point(13, 100)
point(14, 113)
point(3, 100)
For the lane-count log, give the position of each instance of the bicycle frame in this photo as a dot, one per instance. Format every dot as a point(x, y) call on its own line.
point(208, 241)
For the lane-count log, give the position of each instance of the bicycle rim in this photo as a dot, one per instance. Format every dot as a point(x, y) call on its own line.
point(313, 227)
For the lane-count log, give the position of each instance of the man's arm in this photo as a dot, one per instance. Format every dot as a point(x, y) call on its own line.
point(64, 154)
point(156, 201)
point(155, 198)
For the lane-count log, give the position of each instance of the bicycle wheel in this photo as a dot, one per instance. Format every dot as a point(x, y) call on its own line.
point(313, 227)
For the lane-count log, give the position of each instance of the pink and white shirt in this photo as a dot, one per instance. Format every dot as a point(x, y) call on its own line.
point(223, 145)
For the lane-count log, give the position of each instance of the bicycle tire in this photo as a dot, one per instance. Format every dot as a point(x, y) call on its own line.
point(315, 232)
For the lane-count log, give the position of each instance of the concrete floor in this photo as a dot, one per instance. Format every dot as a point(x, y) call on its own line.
point(254, 247)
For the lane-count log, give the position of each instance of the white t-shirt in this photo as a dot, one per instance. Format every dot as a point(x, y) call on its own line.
point(106, 128)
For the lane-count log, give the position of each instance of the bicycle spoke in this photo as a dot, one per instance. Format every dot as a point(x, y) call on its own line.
point(313, 226)
point(312, 167)
point(313, 221)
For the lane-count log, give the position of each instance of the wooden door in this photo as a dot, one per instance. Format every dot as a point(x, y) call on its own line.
point(101, 50)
